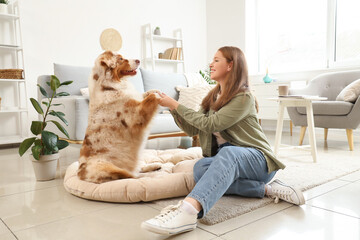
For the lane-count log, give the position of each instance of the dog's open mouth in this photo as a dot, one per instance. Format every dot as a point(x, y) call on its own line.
point(128, 72)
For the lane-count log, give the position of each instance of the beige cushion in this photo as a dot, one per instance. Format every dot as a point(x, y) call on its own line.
point(192, 97)
point(175, 179)
point(350, 93)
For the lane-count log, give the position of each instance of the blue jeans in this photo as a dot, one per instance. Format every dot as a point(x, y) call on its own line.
point(235, 170)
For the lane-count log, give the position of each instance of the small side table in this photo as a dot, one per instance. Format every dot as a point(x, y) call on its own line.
point(297, 101)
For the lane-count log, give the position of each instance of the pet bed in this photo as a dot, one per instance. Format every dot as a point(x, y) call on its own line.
point(173, 179)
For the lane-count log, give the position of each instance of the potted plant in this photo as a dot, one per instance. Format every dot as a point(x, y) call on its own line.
point(46, 145)
point(206, 74)
point(4, 6)
point(157, 31)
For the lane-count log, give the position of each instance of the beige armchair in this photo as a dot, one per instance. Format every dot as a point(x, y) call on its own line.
point(329, 113)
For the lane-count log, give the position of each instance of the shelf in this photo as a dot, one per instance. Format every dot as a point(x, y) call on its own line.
point(11, 80)
point(165, 60)
point(11, 139)
point(159, 37)
point(10, 47)
point(12, 110)
point(8, 16)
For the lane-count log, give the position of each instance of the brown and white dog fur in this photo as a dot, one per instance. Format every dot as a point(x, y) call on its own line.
point(117, 123)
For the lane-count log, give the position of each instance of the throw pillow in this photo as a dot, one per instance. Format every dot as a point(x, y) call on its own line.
point(192, 97)
point(350, 93)
point(84, 92)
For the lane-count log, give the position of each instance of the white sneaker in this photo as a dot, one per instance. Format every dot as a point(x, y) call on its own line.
point(287, 193)
point(172, 220)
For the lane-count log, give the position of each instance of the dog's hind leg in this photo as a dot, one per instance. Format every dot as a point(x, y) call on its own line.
point(100, 172)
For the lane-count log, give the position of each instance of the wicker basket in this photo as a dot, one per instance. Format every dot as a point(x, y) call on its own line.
point(11, 73)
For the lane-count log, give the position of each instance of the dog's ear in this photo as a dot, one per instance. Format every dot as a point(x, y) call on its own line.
point(108, 60)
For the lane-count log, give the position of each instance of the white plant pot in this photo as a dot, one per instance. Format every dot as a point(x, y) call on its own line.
point(45, 168)
point(4, 8)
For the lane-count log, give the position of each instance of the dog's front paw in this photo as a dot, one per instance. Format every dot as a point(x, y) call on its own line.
point(150, 167)
point(155, 91)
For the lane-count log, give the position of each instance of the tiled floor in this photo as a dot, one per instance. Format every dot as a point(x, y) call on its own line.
point(44, 210)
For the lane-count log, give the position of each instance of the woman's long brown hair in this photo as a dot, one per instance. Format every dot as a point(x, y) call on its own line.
point(236, 81)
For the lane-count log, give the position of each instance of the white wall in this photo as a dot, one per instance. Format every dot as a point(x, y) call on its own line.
point(67, 32)
point(225, 25)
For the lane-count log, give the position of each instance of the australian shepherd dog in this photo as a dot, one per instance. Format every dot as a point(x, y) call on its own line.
point(117, 123)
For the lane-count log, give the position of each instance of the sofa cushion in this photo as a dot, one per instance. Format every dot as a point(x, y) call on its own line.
point(137, 81)
point(80, 76)
point(334, 108)
point(164, 82)
point(192, 97)
point(350, 93)
point(163, 123)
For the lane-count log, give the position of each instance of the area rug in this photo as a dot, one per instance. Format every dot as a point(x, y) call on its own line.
point(300, 172)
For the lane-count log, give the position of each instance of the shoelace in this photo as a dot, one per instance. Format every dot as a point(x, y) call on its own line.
point(169, 212)
point(281, 195)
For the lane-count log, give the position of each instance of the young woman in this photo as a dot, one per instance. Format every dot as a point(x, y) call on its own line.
point(237, 156)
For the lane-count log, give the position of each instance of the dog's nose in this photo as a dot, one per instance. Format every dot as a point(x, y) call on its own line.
point(137, 61)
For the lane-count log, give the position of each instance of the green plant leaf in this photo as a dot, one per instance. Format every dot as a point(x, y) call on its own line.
point(48, 83)
point(45, 103)
point(24, 146)
point(66, 83)
point(58, 104)
point(61, 128)
point(37, 127)
point(37, 106)
point(59, 115)
point(36, 151)
point(54, 82)
point(62, 144)
point(43, 91)
point(49, 140)
point(62, 94)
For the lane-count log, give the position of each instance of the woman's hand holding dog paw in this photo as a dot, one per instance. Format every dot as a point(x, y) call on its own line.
point(167, 101)
point(155, 91)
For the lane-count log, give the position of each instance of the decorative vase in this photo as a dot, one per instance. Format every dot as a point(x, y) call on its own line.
point(45, 168)
point(267, 79)
point(4, 8)
point(157, 31)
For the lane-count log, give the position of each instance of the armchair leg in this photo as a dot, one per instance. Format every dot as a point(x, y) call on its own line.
point(291, 127)
point(302, 134)
point(350, 137)
point(325, 133)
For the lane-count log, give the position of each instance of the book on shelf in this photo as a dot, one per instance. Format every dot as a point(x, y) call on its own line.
point(172, 54)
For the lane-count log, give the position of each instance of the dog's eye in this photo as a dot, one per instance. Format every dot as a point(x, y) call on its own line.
point(121, 59)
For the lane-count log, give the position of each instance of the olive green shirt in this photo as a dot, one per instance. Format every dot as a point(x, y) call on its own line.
point(236, 122)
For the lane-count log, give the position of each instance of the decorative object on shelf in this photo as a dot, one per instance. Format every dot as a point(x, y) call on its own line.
point(267, 79)
point(110, 40)
point(157, 31)
point(46, 143)
point(206, 74)
point(11, 73)
point(161, 55)
point(4, 6)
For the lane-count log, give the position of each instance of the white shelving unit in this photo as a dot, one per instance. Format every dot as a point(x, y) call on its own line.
point(14, 109)
point(155, 44)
